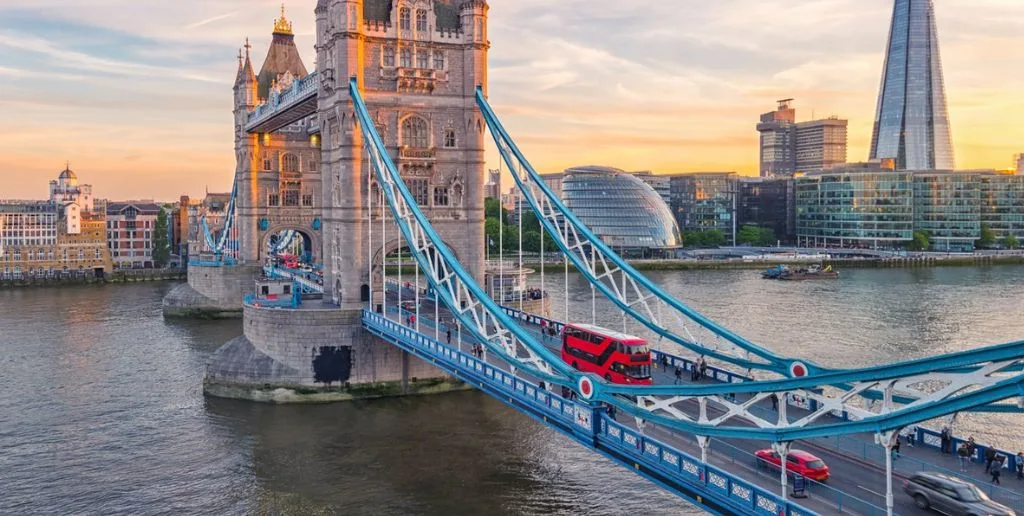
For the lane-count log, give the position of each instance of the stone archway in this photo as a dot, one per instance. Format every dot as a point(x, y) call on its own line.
point(306, 238)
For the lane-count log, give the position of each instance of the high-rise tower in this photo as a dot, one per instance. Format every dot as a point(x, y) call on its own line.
point(912, 124)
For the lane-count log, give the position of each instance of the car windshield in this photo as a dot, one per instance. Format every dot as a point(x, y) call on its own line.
point(971, 494)
point(815, 464)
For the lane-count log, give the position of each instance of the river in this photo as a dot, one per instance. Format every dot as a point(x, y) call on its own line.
point(102, 411)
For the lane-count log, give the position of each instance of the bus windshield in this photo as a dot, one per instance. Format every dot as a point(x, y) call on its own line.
point(638, 371)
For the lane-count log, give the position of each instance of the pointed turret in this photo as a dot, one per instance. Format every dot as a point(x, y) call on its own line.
point(245, 81)
point(283, 57)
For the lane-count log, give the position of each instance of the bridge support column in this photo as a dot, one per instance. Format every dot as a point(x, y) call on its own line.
point(888, 440)
point(704, 442)
point(783, 450)
point(315, 353)
point(211, 292)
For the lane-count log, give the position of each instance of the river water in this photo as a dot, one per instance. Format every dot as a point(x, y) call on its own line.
point(102, 411)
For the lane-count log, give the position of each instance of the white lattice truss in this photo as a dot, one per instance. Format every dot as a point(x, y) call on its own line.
point(924, 389)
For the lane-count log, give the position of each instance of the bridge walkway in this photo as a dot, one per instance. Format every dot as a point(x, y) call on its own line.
point(856, 463)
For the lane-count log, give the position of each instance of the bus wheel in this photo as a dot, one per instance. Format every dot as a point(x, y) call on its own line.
point(575, 365)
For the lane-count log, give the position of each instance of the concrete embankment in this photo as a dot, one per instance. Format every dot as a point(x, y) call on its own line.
point(120, 276)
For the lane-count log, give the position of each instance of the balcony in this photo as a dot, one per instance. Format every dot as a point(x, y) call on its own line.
point(415, 80)
point(407, 153)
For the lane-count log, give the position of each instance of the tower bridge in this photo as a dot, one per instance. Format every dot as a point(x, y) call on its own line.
point(378, 155)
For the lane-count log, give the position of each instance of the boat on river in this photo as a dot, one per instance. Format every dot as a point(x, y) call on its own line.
point(814, 272)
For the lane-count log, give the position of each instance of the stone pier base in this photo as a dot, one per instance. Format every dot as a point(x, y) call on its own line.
point(312, 355)
point(211, 292)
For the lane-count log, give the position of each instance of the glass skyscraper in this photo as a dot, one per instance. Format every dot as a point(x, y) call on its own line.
point(912, 124)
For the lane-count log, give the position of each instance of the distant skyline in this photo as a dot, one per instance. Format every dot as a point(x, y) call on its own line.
point(138, 95)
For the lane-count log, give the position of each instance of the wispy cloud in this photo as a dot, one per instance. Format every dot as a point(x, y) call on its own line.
point(132, 91)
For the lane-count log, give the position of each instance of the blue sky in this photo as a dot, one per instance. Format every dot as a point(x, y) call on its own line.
point(137, 95)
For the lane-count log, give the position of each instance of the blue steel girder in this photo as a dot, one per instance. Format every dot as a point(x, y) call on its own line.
point(549, 207)
point(553, 209)
point(217, 247)
point(466, 300)
point(979, 384)
point(285, 108)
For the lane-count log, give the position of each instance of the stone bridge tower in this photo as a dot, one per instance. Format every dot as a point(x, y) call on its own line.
point(418, 63)
point(278, 173)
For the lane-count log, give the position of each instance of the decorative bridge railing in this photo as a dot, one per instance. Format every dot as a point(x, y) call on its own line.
point(301, 90)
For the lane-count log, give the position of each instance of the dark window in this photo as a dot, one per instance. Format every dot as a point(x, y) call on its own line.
point(420, 191)
point(307, 199)
point(441, 196)
point(422, 59)
point(273, 200)
point(405, 18)
point(389, 56)
point(415, 133)
point(421, 20)
point(449, 139)
point(439, 60)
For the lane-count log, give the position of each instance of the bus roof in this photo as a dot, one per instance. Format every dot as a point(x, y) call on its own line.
point(606, 332)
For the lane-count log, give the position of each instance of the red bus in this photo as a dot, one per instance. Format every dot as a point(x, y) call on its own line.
point(617, 357)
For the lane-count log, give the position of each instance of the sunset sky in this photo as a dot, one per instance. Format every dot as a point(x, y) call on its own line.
point(137, 95)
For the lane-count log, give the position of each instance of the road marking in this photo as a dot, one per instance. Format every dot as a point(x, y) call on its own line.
point(880, 495)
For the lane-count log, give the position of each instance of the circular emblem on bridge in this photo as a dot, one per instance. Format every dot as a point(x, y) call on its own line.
point(797, 370)
point(586, 388)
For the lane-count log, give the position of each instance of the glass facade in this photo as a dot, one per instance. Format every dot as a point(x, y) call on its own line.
point(704, 200)
point(1002, 204)
point(912, 123)
point(947, 206)
point(873, 209)
point(622, 210)
point(768, 203)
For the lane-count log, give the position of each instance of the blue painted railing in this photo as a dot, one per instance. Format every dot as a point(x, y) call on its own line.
point(591, 426)
point(300, 90)
point(225, 261)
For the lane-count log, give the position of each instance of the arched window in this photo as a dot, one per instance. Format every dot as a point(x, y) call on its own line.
point(439, 60)
point(415, 133)
point(422, 59)
point(290, 164)
point(404, 20)
point(389, 56)
point(406, 58)
point(421, 20)
point(449, 139)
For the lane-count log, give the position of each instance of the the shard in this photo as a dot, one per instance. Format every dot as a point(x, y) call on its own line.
point(912, 124)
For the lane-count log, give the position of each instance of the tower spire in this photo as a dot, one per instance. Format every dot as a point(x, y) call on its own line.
point(282, 25)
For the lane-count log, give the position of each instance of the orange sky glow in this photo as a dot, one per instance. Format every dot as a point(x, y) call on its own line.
point(138, 97)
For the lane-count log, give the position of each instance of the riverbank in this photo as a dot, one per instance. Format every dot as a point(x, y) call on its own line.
point(850, 263)
point(118, 276)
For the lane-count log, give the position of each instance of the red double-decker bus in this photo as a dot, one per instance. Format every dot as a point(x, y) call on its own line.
point(617, 357)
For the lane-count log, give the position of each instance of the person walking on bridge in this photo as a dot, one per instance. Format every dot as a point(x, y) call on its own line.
point(448, 335)
point(996, 470)
point(990, 457)
point(963, 453)
point(1020, 465)
point(679, 376)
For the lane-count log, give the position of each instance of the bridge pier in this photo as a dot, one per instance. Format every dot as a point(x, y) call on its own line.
point(316, 353)
point(212, 292)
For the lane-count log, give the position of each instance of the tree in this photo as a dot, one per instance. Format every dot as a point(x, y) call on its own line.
point(1011, 241)
point(749, 234)
point(161, 245)
point(767, 237)
point(921, 241)
point(988, 237)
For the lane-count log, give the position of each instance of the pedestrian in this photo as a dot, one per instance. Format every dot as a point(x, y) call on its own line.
point(664, 362)
point(703, 368)
point(1020, 465)
point(448, 335)
point(679, 375)
point(693, 372)
point(896, 448)
point(963, 454)
point(775, 401)
point(541, 385)
point(996, 471)
point(971, 446)
point(990, 457)
point(911, 435)
point(944, 439)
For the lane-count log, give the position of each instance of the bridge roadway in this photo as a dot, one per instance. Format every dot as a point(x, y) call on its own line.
point(857, 467)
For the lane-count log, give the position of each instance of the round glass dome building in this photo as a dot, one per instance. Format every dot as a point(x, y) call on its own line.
point(625, 212)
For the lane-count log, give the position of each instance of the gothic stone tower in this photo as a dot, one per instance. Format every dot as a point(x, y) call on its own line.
point(418, 63)
point(278, 174)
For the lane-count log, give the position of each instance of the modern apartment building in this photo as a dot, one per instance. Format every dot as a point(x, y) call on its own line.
point(788, 146)
point(769, 203)
point(130, 229)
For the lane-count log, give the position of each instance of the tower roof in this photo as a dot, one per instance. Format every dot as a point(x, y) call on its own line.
point(67, 173)
point(282, 57)
point(447, 12)
point(245, 72)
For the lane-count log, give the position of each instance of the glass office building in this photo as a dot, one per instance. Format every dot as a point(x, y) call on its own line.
point(703, 201)
point(1002, 204)
point(871, 208)
point(947, 206)
point(626, 213)
point(911, 122)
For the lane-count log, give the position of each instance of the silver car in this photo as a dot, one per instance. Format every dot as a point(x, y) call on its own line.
point(951, 495)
